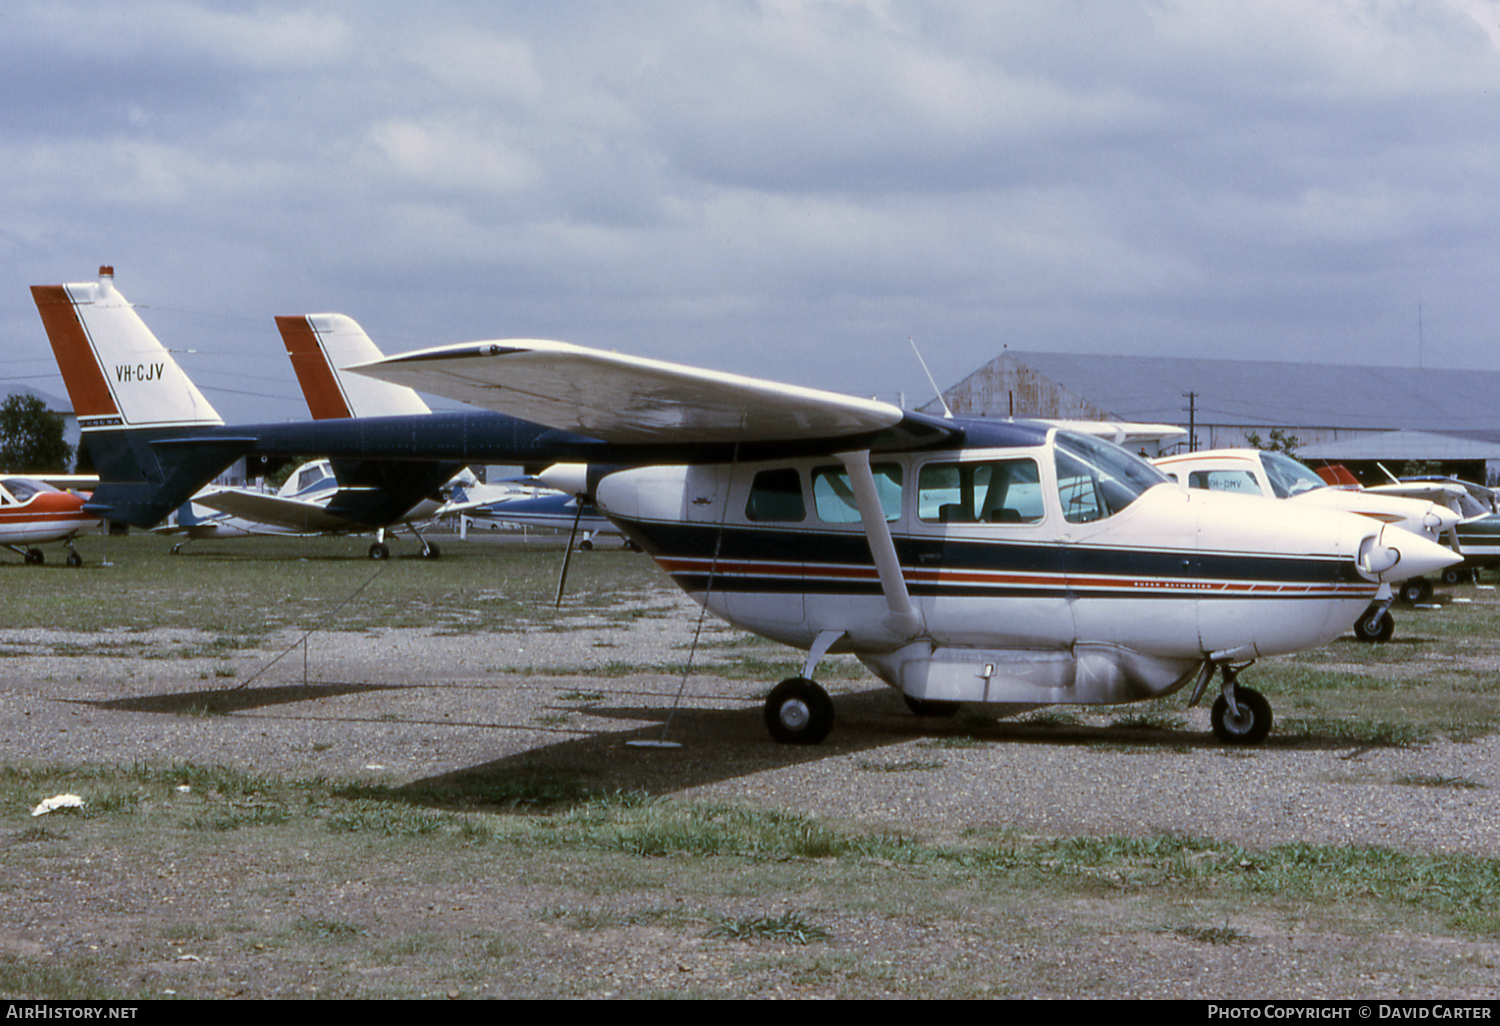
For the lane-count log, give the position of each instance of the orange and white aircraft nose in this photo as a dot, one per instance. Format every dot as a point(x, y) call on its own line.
point(1395, 554)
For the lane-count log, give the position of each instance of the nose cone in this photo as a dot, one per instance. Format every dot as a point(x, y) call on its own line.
point(1395, 554)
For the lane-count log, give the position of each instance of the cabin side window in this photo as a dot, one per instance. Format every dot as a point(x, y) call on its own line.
point(833, 495)
point(995, 492)
point(776, 495)
point(1225, 481)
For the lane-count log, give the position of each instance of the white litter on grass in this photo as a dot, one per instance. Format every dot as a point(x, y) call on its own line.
point(59, 801)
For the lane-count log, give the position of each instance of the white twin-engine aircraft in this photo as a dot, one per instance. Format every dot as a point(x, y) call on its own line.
point(1012, 563)
point(1008, 563)
point(1257, 472)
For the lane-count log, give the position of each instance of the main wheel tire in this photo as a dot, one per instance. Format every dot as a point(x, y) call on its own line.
point(799, 712)
point(432, 552)
point(1418, 589)
point(35, 557)
point(1373, 628)
point(75, 560)
point(1252, 724)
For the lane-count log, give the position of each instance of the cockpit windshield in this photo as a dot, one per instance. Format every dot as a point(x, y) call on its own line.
point(1288, 477)
point(22, 489)
point(1096, 479)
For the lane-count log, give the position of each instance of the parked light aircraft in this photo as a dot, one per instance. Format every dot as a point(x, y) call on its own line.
point(297, 509)
point(550, 508)
point(1274, 474)
point(1478, 530)
point(1009, 563)
point(34, 513)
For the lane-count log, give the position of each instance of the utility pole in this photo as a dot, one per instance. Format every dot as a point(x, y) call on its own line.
point(1192, 398)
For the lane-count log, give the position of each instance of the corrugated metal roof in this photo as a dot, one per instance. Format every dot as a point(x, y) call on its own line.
point(1402, 445)
point(1245, 392)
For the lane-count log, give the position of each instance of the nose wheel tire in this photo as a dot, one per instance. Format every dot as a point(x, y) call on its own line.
point(1252, 723)
point(799, 712)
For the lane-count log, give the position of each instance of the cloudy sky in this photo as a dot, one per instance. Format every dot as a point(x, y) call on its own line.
point(788, 188)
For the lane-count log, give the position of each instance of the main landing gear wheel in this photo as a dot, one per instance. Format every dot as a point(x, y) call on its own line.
point(799, 712)
point(379, 552)
point(431, 552)
point(35, 557)
point(1374, 627)
point(1252, 724)
point(75, 560)
point(1418, 589)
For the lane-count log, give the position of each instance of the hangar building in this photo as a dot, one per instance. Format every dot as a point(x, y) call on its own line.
point(1441, 415)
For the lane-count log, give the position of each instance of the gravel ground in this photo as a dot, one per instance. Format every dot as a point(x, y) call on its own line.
point(408, 705)
point(404, 705)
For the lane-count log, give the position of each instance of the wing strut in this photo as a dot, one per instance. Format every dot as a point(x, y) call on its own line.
point(902, 618)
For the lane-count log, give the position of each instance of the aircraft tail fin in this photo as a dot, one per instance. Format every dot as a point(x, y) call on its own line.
point(320, 347)
point(127, 392)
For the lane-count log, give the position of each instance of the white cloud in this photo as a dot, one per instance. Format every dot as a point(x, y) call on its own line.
point(728, 180)
point(472, 155)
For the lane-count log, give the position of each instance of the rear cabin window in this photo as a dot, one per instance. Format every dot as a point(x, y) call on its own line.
point(776, 495)
point(833, 495)
point(995, 492)
point(1225, 481)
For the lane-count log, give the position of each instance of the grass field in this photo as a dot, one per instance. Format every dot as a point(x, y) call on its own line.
point(204, 880)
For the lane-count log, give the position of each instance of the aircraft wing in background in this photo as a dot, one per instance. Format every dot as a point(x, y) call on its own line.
point(287, 514)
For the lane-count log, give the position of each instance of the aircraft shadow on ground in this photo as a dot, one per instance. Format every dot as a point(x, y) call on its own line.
point(716, 744)
point(719, 745)
point(223, 701)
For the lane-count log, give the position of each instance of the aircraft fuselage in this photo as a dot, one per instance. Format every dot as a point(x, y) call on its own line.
point(1031, 596)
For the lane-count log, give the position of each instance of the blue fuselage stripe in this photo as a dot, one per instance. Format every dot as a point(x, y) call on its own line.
point(760, 559)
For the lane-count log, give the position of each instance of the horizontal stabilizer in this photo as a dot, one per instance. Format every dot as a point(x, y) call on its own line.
point(288, 514)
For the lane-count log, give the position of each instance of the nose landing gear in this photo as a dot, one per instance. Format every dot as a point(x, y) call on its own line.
point(1240, 716)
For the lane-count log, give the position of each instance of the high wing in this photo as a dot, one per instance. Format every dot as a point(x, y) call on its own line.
point(1450, 495)
point(631, 400)
point(1122, 433)
point(289, 514)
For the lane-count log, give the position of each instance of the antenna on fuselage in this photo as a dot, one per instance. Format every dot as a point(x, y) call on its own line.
point(947, 413)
